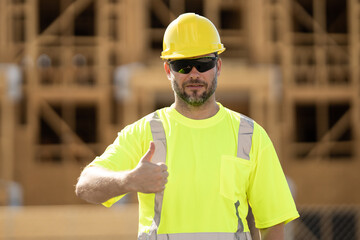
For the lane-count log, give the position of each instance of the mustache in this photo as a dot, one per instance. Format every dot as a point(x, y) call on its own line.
point(194, 81)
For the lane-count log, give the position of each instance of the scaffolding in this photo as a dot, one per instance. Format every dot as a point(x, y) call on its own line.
point(90, 67)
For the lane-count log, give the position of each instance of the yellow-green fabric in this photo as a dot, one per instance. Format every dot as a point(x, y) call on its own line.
point(206, 178)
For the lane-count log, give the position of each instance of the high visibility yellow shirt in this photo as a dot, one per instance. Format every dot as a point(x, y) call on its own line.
point(206, 177)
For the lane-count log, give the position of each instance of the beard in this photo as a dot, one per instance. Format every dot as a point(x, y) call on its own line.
point(193, 98)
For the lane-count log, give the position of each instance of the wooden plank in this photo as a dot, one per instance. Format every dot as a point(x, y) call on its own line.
point(256, 35)
point(284, 30)
point(69, 222)
point(354, 49)
point(3, 30)
point(164, 14)
point(211, 11)
point(177, 6)
point(313, 94)
point(62, 128)
point(7, 131)
point(335, 132)
point(67, 17)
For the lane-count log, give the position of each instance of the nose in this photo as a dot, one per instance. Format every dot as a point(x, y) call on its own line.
point(194, 73)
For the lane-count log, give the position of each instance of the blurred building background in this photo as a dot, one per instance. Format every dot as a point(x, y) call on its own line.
point(75, 72)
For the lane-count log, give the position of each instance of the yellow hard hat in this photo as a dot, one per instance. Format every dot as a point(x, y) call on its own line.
point(190, 35)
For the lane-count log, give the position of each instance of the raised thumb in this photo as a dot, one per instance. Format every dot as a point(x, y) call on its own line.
point(149, 154)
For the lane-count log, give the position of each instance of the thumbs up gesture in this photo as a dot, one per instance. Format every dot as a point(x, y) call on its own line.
point(149, 177)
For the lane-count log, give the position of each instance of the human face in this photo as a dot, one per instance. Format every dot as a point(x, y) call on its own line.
point(194, 84)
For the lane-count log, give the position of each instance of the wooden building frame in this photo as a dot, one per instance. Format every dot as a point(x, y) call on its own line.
point(289, 56)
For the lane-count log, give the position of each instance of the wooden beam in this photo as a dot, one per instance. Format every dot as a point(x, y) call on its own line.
point(164, 14)
point(312, 24)
point(7, 137)
point(256, 35)
point(3, 30)
point(335, 132)
point(177, 6)
point(68, 16)
point(211, 10)
point(354, 49)
point(62, 128)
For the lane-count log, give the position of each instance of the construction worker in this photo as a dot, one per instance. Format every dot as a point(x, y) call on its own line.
point(196, 165)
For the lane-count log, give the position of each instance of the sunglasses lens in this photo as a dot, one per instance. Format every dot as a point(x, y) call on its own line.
point(181, 66)
point(185, 65)
point(205, 64)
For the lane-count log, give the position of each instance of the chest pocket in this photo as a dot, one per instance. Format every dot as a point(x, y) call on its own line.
point(234, 177)
point(235, 171)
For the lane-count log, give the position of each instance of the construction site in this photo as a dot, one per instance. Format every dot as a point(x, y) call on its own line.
point(73, 73)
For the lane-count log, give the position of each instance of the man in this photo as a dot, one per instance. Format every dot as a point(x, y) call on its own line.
point(196, 165)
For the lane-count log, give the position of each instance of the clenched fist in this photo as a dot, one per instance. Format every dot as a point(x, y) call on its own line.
point(149, 177)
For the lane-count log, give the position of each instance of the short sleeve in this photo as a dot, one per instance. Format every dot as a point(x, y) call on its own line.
point(269, 194)
point(125, 152)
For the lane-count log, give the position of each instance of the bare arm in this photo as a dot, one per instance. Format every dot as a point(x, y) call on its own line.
point(97, 185)
point(273, 233)
point(255, 233)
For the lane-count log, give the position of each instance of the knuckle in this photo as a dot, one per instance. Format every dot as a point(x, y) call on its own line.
point(162, 165)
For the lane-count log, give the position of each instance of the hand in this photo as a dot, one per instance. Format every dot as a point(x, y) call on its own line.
point(149, 177)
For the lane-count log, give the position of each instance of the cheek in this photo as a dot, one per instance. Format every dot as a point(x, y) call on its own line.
point(211, 74)
point(179, 78)
point(175, 83)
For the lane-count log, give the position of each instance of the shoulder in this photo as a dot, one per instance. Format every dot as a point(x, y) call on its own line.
point(240, 118)
point(230, 113)
point(237, 116)
point(260, 135)
point(142, 125)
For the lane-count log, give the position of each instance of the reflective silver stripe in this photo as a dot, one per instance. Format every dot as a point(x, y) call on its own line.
point(157, 130)
point(159, 138)
point(244, 146)
point(240, 229)
point(204, 236)
point(246, 130)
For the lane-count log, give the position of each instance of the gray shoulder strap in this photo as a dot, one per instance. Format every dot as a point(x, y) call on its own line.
point(159, 138)
point(246, 130)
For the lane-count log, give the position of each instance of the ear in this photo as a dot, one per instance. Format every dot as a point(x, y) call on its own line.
point(218, 66)
point(167, 70)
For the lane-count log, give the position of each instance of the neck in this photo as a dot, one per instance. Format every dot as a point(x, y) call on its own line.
point(206, 110)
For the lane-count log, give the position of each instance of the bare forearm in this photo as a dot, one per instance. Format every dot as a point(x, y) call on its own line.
point(97, 185)
point(273, 233)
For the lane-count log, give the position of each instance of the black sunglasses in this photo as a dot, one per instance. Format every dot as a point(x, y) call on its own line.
point(185, 65)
